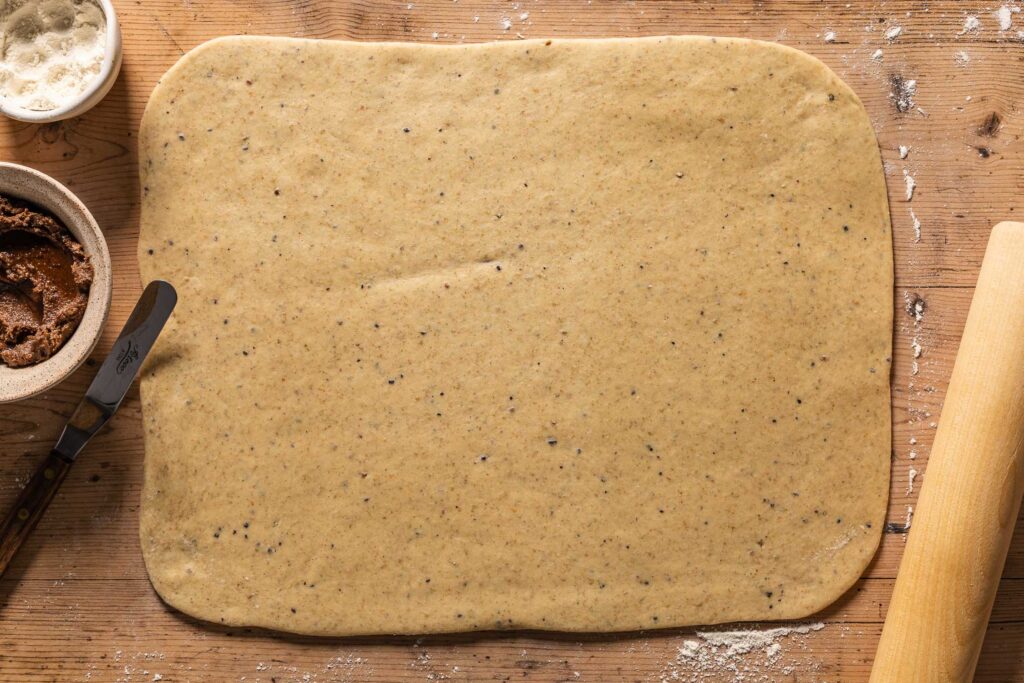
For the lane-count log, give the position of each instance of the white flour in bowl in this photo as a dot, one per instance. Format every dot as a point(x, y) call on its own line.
point(51, 50)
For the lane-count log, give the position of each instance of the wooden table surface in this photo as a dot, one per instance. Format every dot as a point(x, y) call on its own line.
point(77, 605)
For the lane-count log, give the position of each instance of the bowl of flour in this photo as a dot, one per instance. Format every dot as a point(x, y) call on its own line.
point(58, 58)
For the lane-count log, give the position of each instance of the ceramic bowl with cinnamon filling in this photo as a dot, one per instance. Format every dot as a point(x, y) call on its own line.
point(66, 328)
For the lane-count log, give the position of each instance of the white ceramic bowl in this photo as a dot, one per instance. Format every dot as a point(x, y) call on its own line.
point(94, 92)
point(45, 192)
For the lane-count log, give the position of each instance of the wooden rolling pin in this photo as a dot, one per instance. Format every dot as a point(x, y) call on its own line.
point(971, 492)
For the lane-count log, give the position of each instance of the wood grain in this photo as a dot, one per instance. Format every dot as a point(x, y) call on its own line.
point(76, 604)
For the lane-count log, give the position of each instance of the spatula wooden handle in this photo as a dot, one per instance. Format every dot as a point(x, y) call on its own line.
point(30, 506)
point(971, 491)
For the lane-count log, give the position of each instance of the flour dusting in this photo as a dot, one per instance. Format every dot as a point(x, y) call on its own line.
point(911, 184)
point(971, 25)
point(750, 655)
point(1004, 15)
point(902, 93)
point(915, 308)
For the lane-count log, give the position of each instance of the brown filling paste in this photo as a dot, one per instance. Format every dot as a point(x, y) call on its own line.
point(44, 283)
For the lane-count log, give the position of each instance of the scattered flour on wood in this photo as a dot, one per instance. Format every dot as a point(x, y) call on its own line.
point(917, 310)
point(971, 25)
point(893, 32)
point(506, 24)
point(904, 151)
point(877, 55)
point(902, 93)
point(1004, 15)
point(911, 184)
point(911, 476)
point(337, 669)
point(914, 306)
point(961, 58)
point(138, 669)
point(917, 226)
point(830, 36)
point(915, 346)
point(751, 655)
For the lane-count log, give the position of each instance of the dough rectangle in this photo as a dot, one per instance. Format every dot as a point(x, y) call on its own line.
point(576, 335)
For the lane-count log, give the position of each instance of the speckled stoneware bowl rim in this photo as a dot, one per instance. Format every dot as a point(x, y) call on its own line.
point(94, 92)
point(45, 192)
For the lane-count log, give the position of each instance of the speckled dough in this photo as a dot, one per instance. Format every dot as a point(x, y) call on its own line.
point(580, 335)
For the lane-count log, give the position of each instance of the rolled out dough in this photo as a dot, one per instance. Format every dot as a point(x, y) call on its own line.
point(579, 335)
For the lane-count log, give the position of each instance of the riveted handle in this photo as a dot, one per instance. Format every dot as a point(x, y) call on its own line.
point(30, 506)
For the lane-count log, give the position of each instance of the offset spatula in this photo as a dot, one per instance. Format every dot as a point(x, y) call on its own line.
point(101, 400)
